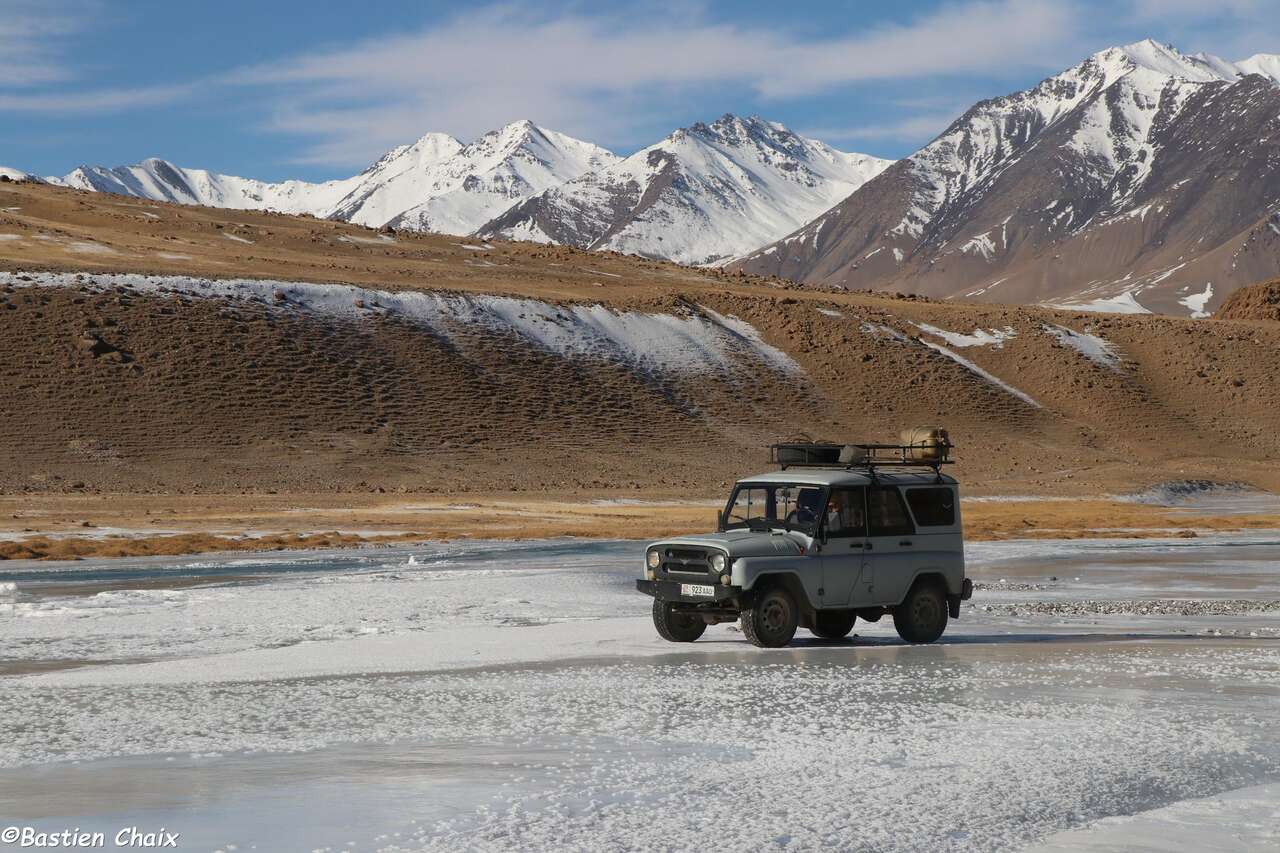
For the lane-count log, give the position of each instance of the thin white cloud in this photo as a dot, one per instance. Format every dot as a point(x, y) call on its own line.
point(593, 75)
point(29, 33)
point(915, 128)
point(96, 101)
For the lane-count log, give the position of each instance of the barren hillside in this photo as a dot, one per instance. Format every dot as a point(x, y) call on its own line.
point(1255, 302)
point(152, 347)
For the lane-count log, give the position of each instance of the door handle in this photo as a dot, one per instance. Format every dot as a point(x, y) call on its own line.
point(905, 542)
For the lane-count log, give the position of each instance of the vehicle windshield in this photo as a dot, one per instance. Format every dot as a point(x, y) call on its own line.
point(762, 506)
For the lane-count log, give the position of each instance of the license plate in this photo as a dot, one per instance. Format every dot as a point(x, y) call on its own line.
point(701, 589)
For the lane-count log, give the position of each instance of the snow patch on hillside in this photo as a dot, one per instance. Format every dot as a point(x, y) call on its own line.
point(700, 341)
point(1092, 347)
point(1196, 302)
point(990, 377)
point(980, 337)
point(1124, 303)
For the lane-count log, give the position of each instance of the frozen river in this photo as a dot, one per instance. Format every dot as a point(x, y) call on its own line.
point(1097, 695)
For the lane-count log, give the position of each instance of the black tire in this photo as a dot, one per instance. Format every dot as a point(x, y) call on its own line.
point(674, 626)
point(771, 620)
point(833, 624)
point(922, 615)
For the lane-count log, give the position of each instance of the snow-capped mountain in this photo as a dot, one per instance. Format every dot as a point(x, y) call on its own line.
point(489, 175)
point(437, 183)
point(17, 174)
point(1140, 179)
point(703, 195)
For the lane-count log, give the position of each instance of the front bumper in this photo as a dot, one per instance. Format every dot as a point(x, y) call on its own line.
point(670, 591)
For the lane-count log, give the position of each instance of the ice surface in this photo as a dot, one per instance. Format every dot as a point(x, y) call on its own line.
point(499, 695)
point(1242, 821)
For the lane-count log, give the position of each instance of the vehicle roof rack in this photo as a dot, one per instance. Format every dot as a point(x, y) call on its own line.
point(837, 455)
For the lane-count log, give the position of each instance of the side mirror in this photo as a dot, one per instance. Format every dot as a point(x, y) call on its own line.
point(719, 521)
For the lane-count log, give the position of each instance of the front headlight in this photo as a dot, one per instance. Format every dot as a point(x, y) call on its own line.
point(653, 559)
point(719, 562)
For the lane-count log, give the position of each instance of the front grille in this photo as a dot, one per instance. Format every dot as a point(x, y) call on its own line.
point(693, 561)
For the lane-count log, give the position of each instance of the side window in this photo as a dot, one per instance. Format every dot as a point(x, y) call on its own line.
point(932, 507)
point(847, 513)
point(887, 513)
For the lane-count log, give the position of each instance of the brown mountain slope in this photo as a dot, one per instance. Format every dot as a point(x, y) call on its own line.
point(587, 373)
point(1115, 181)
point(1256, 302)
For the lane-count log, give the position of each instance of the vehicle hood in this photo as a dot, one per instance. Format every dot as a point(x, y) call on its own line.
point(745, 543)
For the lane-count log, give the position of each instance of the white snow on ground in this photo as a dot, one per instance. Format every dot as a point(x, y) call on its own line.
point(83, 247)
point(237, 238)
point(979, 338)
point(600, 736)
point(830, 312)
point(7, 237)
point(981, 245)
point(1124, 303)
point(883, 332)
point(1098, 350)
point(990, 377)
point(380, 240)
point(698, 342)
point(1196, 302)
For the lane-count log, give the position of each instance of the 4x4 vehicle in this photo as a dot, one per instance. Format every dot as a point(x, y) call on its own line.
point(839, 532)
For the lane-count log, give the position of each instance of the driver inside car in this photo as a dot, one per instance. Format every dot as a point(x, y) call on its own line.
point(808, 507)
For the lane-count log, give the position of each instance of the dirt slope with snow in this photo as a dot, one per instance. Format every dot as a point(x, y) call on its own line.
point(153, 347)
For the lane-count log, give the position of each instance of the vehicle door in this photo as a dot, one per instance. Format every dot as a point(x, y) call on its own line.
point(890, 551)
point(845, 525)
point(939, 544)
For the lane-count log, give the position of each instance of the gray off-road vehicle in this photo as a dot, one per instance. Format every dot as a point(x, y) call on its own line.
point(837, 533)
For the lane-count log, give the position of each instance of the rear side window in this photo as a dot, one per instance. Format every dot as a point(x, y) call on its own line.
point(933, 507)
point(887, 513)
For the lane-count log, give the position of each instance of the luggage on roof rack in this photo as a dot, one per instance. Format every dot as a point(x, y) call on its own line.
point(920, 448)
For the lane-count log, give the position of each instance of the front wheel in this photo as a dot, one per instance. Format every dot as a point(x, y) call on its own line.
point(922, 616)
point(771, 620)
point(833, 624)
point(675, 626)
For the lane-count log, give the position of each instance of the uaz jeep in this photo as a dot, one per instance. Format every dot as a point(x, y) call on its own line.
point(839, 532)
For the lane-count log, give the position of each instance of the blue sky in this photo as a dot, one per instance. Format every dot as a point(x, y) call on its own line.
point(317, 90)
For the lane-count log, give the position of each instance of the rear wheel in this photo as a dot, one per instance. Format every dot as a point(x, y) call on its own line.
point(833, 624)
point(771, 620)
point(674, 625)
point(922, 616)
